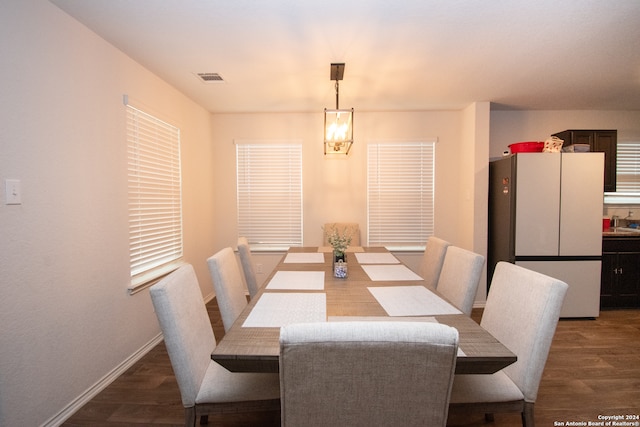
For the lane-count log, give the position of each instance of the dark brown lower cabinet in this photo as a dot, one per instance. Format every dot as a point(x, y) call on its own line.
point(620, 280)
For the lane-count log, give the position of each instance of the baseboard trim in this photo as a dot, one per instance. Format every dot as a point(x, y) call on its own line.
point(101, 384)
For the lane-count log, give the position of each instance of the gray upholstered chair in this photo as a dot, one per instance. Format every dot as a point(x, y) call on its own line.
point(350, 228)
point(227, 282)
point(366, 373)
point(522, 312)
point(205, 387)
point(459, 278)
point(246, 260)
point(432, 260)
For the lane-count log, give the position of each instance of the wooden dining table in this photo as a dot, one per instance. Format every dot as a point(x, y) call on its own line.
point(252, 343)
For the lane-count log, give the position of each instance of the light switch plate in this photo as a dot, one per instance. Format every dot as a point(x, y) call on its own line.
point(12, 193)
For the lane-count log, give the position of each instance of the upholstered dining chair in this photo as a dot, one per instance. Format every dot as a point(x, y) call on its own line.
point(432, 260)
point(205, 386)
point(522, 312)
point(246, 260)
point(366, 373)
point(350, 228)
point(459, 278)
point(227, 282)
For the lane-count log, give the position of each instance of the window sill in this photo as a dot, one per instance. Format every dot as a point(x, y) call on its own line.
point(268, 249)
point(405, 248)
point(621, 199)
point(150, 278)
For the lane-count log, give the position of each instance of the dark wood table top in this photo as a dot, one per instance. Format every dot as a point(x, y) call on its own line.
point(256, 349)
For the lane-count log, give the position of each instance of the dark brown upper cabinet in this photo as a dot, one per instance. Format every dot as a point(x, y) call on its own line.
point(603, 141)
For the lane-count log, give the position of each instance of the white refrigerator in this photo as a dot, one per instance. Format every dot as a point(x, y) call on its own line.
point(545, 214)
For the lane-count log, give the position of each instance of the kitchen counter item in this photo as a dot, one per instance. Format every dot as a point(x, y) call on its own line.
point(526, 147)
point(621, 232)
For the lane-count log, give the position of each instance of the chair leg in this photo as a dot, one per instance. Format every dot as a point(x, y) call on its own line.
point(527, 415)
point(204, 420)
point(190, 416)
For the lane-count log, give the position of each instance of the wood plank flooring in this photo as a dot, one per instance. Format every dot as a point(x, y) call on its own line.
point(593, 369)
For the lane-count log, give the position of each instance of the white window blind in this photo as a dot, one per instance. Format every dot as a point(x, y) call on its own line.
point(269, 193)
point(628, 168)
point(155, 199)
point(400, 191)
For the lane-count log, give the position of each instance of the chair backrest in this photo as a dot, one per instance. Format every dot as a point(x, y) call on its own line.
point(366, 373)
point(186, 327)
point(244, 251)
point(432, 260)
point(227, 282)
point(522, 312)
point(460, 276)
point(351, 228)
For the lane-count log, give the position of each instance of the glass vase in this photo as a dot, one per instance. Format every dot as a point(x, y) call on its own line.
point(340, 268)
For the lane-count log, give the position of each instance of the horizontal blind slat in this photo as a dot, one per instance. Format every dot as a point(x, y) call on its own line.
point(269, 193)
point(400, 192)
point(155, 195)
point(628, 167)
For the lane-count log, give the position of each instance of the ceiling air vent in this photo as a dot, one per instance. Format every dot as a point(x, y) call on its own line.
point(210, 77)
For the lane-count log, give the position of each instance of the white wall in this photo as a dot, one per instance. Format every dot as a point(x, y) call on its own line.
point(66, 319)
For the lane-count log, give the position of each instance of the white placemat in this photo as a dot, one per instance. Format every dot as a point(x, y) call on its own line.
point(304, 257)
point(274, 310)
point(377, 258)
point(390, 272)
point(388, 319)
point(300, 280)
point(411, 301)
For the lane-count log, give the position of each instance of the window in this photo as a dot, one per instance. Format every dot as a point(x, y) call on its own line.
point(269, 193)
point(627, 174)
point(628, 168)
point(155, 198)
point(400, 190)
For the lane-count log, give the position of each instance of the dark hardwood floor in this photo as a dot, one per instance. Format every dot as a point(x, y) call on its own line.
point(593, 369)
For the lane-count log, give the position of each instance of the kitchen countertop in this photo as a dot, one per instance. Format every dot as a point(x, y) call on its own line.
point(621, 232)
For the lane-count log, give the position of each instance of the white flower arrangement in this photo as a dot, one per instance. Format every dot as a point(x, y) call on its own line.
point(339, 242)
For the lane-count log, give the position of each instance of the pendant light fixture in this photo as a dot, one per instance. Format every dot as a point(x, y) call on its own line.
point(338, 124)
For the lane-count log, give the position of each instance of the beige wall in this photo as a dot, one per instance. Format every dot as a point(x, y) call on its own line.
point(66, 320)
point(513, 126)
point(335, 189)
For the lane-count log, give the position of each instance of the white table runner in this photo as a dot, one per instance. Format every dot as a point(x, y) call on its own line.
point(297, 280)
point(274, 310)
point(304, 257)
point(388, 272)
point(377, 258)
point(411, 301)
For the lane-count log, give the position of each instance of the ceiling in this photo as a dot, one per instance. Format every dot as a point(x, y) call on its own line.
point(275, 56)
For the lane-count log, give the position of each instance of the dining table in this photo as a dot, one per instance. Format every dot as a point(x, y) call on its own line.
point(378, 287)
